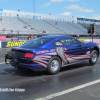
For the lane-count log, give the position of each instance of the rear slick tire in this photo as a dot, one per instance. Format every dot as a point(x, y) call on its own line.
point(93, 57)
point(54, 65)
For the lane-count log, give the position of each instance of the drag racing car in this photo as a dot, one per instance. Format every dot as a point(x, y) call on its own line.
point(52, 52)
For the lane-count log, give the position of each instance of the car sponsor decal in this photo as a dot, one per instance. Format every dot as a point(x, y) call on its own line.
point(66, 58)
point(45, 51)
point(58, 43)
point(44, 56)
point(78, 57)
point(60, 52)
point(43, 59)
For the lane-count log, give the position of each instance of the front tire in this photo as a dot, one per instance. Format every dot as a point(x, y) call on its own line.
point(94, 57)
point(54, 65)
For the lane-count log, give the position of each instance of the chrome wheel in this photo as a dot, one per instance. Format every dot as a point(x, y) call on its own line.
point(94, 57)
point(54, 65)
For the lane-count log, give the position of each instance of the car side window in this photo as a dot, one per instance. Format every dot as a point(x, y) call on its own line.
point(70, 41)
point(66, 41)
point(62, 42)
point(75, 41)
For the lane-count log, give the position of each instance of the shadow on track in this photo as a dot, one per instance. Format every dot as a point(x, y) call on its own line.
point(30, 73)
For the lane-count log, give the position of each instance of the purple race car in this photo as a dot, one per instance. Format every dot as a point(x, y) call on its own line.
point(52, 52)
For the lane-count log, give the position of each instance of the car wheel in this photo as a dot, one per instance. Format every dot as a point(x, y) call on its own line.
point(54, 65)
point(94, 57)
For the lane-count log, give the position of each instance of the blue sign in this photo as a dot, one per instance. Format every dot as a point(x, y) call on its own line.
point(91, 20)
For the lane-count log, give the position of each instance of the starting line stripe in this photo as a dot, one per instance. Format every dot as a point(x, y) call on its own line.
point(69, 90)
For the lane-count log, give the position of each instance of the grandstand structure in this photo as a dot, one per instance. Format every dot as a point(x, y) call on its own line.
point(86, 23)
point(14, 23)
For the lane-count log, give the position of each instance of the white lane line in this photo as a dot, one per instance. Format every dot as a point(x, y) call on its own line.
point(2, 63)
point(68, 91)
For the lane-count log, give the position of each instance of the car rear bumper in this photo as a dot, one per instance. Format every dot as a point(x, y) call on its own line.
point(34, 67)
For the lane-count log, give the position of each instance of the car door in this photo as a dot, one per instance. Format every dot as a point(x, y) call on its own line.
point(75, 50)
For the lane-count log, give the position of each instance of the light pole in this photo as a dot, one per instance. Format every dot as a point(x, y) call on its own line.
point(49, 15)
point(34, 6)
point(72, 19)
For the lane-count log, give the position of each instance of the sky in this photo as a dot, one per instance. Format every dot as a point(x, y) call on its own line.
point(73, 8)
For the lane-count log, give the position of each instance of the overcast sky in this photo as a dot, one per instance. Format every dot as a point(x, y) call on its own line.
point(75, 8)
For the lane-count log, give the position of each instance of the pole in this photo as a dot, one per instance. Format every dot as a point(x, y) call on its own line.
point(91, 32)
point(92, 37)
point(34, 6)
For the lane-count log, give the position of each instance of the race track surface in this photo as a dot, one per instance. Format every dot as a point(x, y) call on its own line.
point(76, 82)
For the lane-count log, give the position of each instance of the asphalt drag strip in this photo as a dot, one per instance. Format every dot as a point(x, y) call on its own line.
point(69, 90)
point(75, 82)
